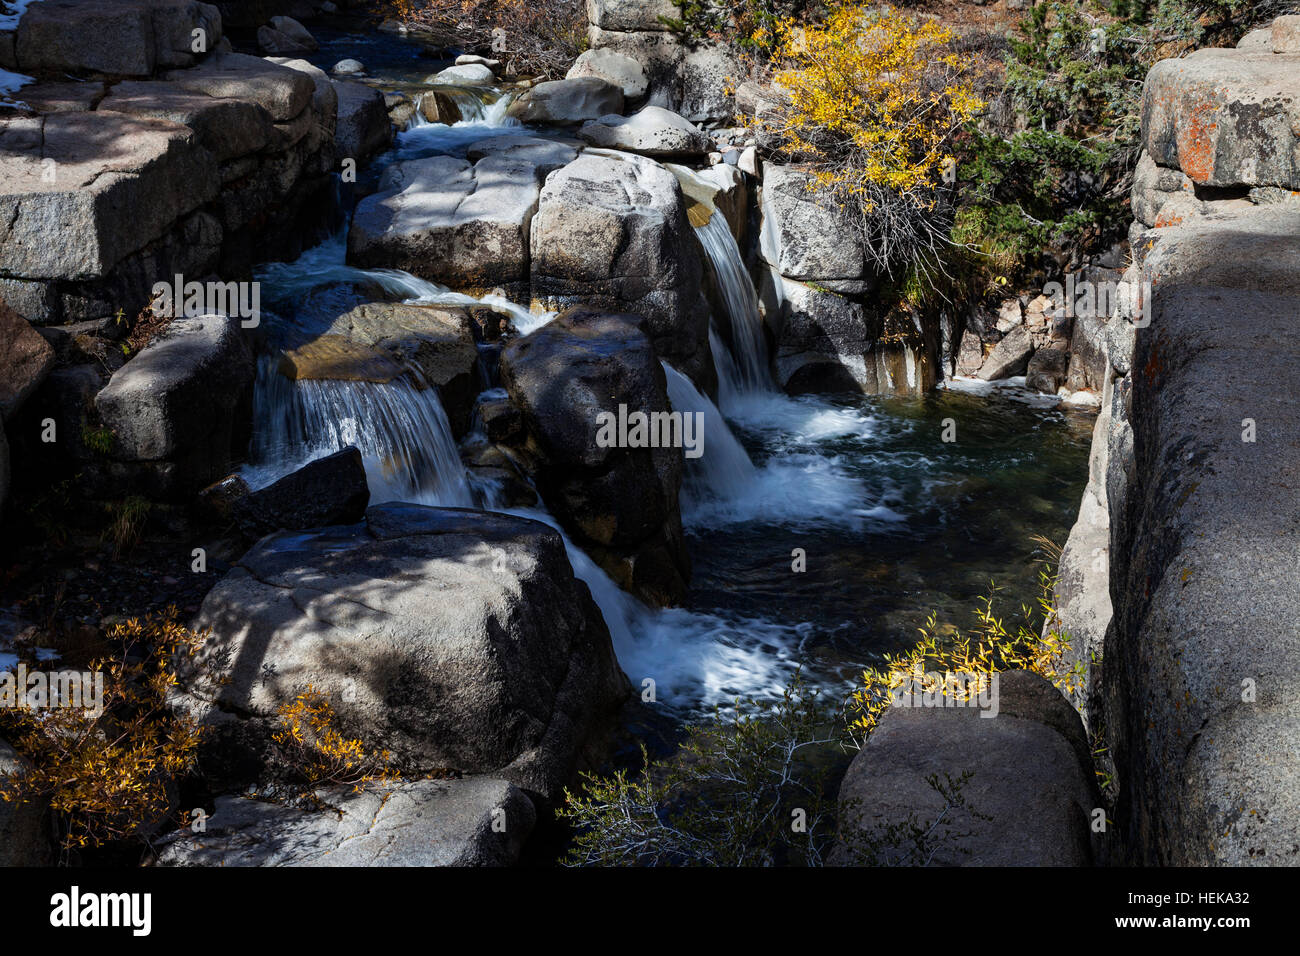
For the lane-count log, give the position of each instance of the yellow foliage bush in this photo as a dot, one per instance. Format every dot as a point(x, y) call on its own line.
point(107, 774)
point(872, 100)
point(319, 754)
point(990, 647)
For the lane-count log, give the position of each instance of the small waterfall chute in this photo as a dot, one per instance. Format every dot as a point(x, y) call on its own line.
point(743, 365)
point(724, 470)
point(749, 366)
point(400, 428)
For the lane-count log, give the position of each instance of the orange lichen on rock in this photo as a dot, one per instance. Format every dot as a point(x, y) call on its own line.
point(1196, 142)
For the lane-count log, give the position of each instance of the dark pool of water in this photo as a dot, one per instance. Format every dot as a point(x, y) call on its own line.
point(937, 522)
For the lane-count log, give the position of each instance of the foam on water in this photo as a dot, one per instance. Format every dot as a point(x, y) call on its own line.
point(798, 487)
point(485, 116)
point(400, 429)
point(697, 660)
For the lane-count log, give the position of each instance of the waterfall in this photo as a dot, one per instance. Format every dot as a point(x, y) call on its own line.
point(477, 105)
point(399, 427)
point(744, 369)
point(696, 660)
point(482, 119)
point(724, 470)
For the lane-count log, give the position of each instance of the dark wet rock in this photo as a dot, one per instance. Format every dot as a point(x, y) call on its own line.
point(25, 359)
point(364, 129)
point(24, 826)
point(328, 491)
point(1047, 370)
point(621, 504)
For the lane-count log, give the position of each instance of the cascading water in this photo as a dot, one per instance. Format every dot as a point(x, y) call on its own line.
point(744, 368)
point(857, 488)
point(399, 427)
point(697, 660)
point(484, 116)
point(724, 470)
point(477, 106)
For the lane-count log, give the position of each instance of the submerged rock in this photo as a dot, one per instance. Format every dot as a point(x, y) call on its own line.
point(437, 340)
point(337, 358)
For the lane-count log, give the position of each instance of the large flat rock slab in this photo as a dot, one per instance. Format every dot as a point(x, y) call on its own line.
point(227, 127)
point(1226, 117)
point(465, 226)
point(123, 38)
point(280, 90)
point(1203, 656)
point(473, 821)
point(79, 192)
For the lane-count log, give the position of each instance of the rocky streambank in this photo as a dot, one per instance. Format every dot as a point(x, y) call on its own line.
point(1175, 580)
point(431, 290)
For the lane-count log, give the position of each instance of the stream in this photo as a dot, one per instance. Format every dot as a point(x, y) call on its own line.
point(894, 522)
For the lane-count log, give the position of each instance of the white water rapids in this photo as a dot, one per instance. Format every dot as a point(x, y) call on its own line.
point(697, 660)
point(843, 478)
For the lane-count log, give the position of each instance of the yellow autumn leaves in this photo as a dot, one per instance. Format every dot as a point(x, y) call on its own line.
point(873, 99)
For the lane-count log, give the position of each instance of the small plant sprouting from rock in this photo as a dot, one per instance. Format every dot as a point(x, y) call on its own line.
point(98, 439)
point(315, 754)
